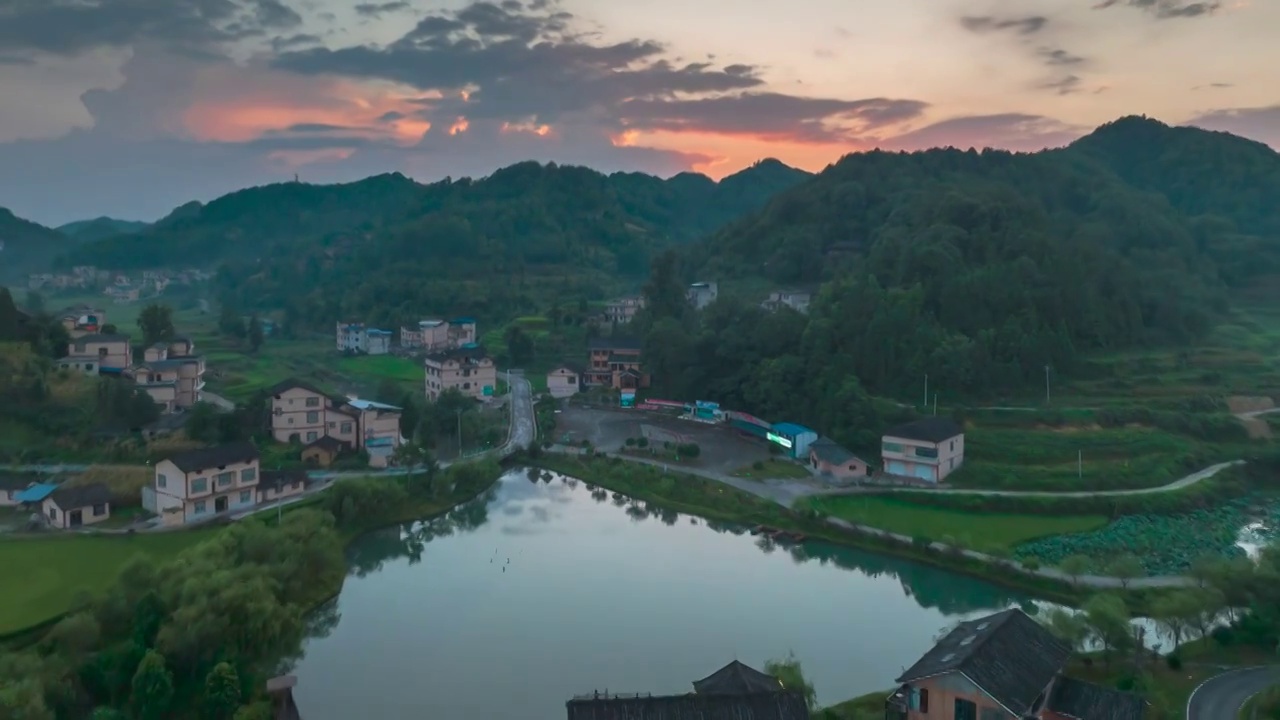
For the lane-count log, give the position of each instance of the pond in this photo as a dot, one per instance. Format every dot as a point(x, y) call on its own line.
point(543, 589)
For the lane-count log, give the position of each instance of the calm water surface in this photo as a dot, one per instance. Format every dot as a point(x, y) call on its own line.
point(541, 590)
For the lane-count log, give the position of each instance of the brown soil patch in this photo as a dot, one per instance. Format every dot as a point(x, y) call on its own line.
point(1249, 403)
point(1257, 428)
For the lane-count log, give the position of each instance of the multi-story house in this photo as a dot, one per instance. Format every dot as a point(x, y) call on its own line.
point(1004, 666)
point(302, 412)
point(702, 294)
point(199, 484)
point(623, 310)
point(468, 369)
point(112, 351)
point(427, 334)
point(928, 449)
point(615, 363)
point(171, 374)
point(352, 337)
point(462, 332)
point(797, 300)
point(356, 337)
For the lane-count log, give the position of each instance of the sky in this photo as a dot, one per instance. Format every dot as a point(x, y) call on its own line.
point(129, 108)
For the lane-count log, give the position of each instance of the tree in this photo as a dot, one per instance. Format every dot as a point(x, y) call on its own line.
point(8, 317)
point(221, 692)
point(1176, 612)
point(790, 673)
point(107, 713)
point(1075, 566)
point(255, 333)
point(230, 323)
point(35, 302)
point(1125, 568)
point(520, 347)
point(1070, 627)
point(152, 688)
point(1108, 621)
point(156, 323)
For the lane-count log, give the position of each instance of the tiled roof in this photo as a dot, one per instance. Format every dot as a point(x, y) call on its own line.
point(221, 456)
point(1010, 656)
point(1086, 701)
point(931, 429)
point(736, 679)
point(69, 498)
point(830, 451)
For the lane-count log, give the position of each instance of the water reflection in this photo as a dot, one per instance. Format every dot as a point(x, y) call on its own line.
point(548, 586)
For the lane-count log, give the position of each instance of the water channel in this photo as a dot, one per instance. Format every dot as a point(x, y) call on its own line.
point(543, 589)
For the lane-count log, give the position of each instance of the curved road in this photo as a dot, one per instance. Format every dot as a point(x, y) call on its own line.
point(1222, 696)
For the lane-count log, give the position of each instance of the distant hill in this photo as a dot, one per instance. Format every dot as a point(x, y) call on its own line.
point(27, 246)
point(100, 228)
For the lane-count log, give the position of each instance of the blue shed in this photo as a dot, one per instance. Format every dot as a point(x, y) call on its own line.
point(36, 493)
point(795, 439)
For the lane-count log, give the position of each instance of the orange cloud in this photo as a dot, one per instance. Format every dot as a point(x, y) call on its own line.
point(527, 127)
point(235, 104)
point(459, 126)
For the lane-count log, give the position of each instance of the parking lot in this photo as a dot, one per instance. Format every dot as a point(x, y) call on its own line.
point(722, 450)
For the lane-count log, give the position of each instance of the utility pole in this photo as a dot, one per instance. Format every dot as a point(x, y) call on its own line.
point(459, 434)
point(935, 403)
point(926, 391)
point(1046, 384)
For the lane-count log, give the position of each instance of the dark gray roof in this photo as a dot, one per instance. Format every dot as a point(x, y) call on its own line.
point(570, 365)
point(759, 706)
point(291, 383)
point(277, 479)
point(69, 498)
point(736, 679)
point(931, 429)
point(829, 450)
point(471, 352)
point(615, 343)
point(221, 456)
point(1086, 701)
point(1009, 655)
point(327, 442)
point(81, 341)
point(15, 482)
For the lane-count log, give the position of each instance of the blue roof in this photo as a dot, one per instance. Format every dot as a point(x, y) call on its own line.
point(463, 321)
point(376, 331)
point(790, 429)
point(468, 346)
point(35, 493)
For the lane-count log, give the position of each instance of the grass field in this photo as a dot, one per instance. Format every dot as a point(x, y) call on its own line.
point(991, 533)
point(48, 573)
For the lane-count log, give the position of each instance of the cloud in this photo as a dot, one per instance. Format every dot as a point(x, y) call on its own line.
point(1166, 9)
point(71, 27)
point(1028, 25)
point(1066, 85)
point(1214, 86)
point(1010, 131)
point(1058, 57)
point(376, 10)
point(1258, 123)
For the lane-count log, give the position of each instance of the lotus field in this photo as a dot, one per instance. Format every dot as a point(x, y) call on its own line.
point(1166, 544)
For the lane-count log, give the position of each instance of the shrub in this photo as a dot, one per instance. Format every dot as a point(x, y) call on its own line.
point(689, 450)
point(757, 465)
point(1174, 662)
point(642, 442)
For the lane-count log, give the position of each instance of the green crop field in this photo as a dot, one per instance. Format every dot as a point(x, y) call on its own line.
point(1081, 458)
point(985, 532)
point(49, 572)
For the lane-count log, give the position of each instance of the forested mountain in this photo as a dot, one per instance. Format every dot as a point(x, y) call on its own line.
point(978, 269)
point(27, 247)
point(100, 228)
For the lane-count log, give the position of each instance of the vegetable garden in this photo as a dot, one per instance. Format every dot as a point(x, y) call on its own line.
point(1166, 544)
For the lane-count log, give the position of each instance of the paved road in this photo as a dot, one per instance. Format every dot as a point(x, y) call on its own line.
point(218, 401)
point(1221, 697)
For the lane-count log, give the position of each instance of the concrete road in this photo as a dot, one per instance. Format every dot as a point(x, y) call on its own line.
point(1221, 697)
point(524, 428)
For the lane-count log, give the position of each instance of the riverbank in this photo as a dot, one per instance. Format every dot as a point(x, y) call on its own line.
point(711, 500)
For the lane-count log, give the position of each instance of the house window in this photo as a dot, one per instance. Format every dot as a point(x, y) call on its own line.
point(224, 479)
point(248, 475)
point(924, 700)
point(313, 417)
point(892, 447)
point(199, 509)
point(953, 444)
point(466, 386)
point(162, 481)
point(927, 452)
point(966, 710)
point(346, 428)
point(99, 510)
point(53, 513)
point(313, 402)
point(246, 496)
point(311, 436)
point(199, 485)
